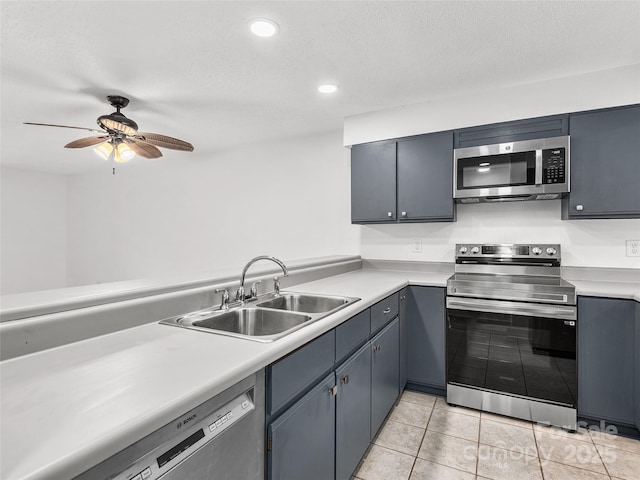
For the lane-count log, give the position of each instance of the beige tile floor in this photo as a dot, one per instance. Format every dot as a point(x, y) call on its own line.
point(425, 439)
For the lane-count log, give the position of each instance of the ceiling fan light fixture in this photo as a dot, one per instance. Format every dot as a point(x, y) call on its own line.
point(263, 27)
point(124, 153)
point(104, 150)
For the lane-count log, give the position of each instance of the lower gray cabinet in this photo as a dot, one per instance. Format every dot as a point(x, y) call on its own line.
point(301, 441)
point(385, 373)
point(606, 360)
point(402, 317)
point(426, 337)
point(353, 412)
point(637, 376)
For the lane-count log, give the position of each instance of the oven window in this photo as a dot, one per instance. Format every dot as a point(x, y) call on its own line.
point(506, 170)
point(529, 356)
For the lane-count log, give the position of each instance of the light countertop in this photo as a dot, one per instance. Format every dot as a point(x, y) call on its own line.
point(68, 408)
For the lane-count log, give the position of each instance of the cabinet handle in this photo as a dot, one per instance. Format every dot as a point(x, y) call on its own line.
point(345, 379)
point(333, 390)
point(404, 214)
point(579, 208)
point(387, 310)
point(389, 214)
point(403, 297)
point(377, 348)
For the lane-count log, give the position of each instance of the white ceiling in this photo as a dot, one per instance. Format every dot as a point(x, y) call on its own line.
point(192, 69)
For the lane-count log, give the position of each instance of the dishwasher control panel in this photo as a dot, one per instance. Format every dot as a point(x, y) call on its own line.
point(193, 434)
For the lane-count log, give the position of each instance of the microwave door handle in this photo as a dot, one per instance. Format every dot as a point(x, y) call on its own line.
point(538, 167)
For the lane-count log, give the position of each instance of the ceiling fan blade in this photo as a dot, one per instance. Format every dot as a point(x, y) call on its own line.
point(86, 142)
point(144, 149)
point(166, 142)
point(63, 126)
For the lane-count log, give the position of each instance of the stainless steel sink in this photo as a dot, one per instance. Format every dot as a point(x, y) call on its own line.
point(300, 302)
point(256, 322)
point(265, 319)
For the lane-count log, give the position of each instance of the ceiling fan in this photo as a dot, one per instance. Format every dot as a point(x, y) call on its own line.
point(120, 140)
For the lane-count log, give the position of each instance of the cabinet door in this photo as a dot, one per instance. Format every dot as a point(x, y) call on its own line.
point(426, 336)
point(385, 373)
point(637, 366)
point(425, 178)
point(402, 318)
point(606, 356)
point(373, 182)
point(605, 164)
point(302, 439)
point(353, 412)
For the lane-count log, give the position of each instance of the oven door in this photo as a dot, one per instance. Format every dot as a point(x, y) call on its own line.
point(521, 349)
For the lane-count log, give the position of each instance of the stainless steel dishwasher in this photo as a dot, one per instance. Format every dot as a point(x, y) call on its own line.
point(221, 439)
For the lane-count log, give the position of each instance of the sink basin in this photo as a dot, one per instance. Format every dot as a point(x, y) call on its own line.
point(265, 319)
point(254, 322)
point(300, 302)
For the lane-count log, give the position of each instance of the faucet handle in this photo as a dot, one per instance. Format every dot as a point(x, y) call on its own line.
point(276, 285)
point(240, 294)
point(254, 289)
point(224, 304)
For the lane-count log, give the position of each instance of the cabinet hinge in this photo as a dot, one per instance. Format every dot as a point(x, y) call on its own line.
point(269, 444)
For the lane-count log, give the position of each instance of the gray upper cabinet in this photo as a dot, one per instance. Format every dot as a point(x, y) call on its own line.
point(373, 182)
point(606, 359)
point(605, 164)
point(425, 178)
point(410, 180)
point(514, 131)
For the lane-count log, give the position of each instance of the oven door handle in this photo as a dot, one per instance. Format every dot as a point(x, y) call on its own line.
point(513, 308)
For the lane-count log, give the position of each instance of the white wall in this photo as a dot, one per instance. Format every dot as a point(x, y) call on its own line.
point(186, 213)
point(33, 231)
point(596, 243)
point(607, 88)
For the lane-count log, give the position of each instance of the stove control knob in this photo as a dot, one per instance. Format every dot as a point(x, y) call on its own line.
point(536, 250)
point(551, 251)
point(475, 250)
point(462, 250)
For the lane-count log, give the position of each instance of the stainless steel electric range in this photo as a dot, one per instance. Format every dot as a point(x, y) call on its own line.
point(512, 332)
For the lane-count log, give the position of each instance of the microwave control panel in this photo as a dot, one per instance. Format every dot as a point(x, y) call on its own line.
point(553, 166)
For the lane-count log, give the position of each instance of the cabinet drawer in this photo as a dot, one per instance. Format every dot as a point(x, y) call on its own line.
point(352, 333)
point(384, 311)
point(290, 376)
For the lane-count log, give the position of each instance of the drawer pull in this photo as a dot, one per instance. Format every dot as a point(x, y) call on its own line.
point(387, 310)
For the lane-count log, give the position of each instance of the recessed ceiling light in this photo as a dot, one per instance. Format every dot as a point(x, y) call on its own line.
point(263, 27)
point(328, 88)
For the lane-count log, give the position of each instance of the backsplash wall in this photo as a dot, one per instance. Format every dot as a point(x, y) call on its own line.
point(594, 243)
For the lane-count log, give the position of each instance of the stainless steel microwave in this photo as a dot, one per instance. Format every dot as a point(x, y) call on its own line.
point(527, 170)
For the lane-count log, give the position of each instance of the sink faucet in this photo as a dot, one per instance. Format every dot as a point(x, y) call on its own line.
point(240, 296)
